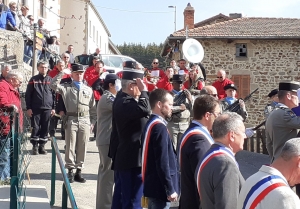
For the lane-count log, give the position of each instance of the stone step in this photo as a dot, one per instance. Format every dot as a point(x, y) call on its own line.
point(36, 197)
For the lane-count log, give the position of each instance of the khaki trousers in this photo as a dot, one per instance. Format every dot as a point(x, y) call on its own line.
point(176, 131)
point(105, 180)
point(77, 135)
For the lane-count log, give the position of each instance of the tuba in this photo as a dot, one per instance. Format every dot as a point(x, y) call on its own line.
point(192, 50)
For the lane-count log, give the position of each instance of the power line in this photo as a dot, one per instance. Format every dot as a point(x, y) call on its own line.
point(137, 11)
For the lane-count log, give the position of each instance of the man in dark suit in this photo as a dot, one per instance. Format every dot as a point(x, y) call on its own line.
point(130, 111)
point(193, 145)
point(218, 178)
point(159, 167)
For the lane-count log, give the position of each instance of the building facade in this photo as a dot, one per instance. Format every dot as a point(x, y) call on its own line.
point(255, 53)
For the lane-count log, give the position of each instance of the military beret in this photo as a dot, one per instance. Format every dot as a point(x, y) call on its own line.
point(132, 74)
point(273, 92)
point(230, 86)
point(289, 86)
point(77, 68)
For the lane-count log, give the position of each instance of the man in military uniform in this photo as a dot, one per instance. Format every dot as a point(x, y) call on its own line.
point(131, 109)
point(79, 119)
point(181, 113)
point(282, 123)
point(230, 90)
point(273, 95)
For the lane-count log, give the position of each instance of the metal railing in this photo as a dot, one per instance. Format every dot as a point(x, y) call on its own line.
point(66, 187)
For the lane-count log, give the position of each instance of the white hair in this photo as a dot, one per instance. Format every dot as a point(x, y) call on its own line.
point(290, 149)
point(6, 66)
point(14, 73)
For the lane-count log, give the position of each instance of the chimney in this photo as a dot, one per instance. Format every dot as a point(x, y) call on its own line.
point(235, 15)
point(189, 16)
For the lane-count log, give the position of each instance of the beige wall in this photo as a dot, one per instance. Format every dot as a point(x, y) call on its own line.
point(268, 62)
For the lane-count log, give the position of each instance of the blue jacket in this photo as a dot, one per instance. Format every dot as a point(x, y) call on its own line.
point(6, 16)
point(161, 176)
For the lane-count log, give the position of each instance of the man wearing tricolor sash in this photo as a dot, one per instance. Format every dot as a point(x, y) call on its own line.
point(159, 163)
point(193, 145)
point(270, 186)
point(217, 175)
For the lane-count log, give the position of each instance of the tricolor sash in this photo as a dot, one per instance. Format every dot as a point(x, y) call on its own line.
point(193, 131)
point(261, 189)
point(155, 121)
point(220, 150)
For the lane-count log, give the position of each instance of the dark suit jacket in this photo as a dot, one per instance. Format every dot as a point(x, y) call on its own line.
point(191, 153)
point(221, 182)
point(161, 176)
point(130, 117)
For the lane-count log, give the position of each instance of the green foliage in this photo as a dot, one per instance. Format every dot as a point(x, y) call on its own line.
point(143, 53)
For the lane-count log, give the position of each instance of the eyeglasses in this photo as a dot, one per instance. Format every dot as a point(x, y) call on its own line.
point(219, 77)
point(155, 62)
point(66, 57)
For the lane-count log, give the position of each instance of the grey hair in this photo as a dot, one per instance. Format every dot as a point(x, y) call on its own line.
point(228, 121)
point(60, 61)
point(42, 63)
point(63, 54)
point(14, 73)
point(290, 149)
point(125, 83)
point(6, 66)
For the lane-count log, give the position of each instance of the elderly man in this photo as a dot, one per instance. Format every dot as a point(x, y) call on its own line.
point(9, 100)
point(40, 102)
point(70, 52)
point(80, 117)
point(4, 71)
point(282, 123)
point(217, 175)
point(6, 16)
point(130, 113)
point(14, 12)
point(166, 82)
point(210, 90)
point(220, 83)
point(193, 145)
point(270, 186)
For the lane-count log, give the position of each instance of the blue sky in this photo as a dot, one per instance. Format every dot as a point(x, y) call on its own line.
point(156, 21)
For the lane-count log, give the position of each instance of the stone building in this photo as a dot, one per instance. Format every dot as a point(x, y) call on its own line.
point(255, 52)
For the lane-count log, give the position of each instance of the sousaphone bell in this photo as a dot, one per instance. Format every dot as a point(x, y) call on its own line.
point(192, 50)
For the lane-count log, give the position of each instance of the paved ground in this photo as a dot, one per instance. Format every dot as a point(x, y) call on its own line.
point(85, 194)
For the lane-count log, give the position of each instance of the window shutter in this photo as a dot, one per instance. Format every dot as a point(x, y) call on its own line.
point(242, 82)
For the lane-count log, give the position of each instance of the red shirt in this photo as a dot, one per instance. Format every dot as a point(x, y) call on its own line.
point(187, 85)
point(54, 73)
point(90, 76)
point(164, 83)
point(220, 87)
point(161, 72)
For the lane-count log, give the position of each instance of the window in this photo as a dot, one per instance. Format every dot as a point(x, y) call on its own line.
point(90, 28)
point(42, 8)
point(241, 50)
point(94, 33)
point(242, 82)
point(97, 38)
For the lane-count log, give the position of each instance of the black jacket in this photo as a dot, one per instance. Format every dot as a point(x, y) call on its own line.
point(38, 94)
point(129, 119)
point(190, 154)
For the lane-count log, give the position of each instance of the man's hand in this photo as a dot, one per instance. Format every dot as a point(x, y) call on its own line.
point(182, 107)
point(188, 94)
point(52, 112)
point(61, 113)
point(249, 132)
point(29, 112)
point(173, 197)
point(242, 104)
point(141, 85)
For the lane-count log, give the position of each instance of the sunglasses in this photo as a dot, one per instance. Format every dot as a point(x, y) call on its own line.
point(66, 57)
point(155, 62)
point(219, 77)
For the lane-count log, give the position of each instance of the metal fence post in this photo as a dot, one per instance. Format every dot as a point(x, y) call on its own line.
point(14, 182)
point(64, 204)
point(53, 175)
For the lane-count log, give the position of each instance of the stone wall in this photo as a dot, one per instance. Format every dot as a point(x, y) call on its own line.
point(267, 63)
point(12, 52)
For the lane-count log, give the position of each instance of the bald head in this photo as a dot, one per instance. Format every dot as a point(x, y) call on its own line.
point(209, 90)
point(221, 75)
